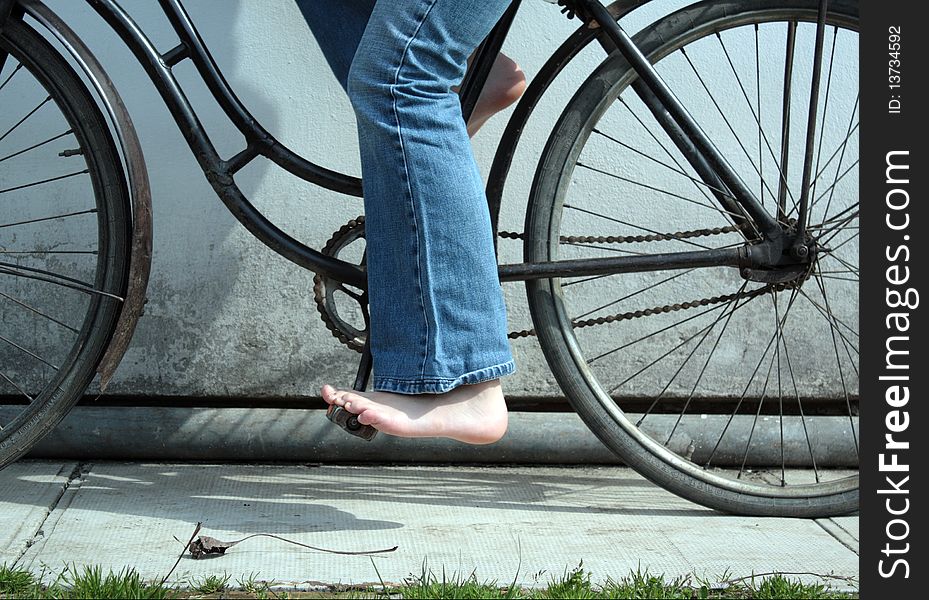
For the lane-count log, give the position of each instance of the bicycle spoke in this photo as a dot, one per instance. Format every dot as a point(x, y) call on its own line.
point(790, 370)
point(839, 151)
point(645, 337)
point(585, 280)
point(835, 345)
point(34, 146)
point(761, 135)
point(627, 296)
point(705, 364)
point(842, 156)
point(671, 168)
point(24, 119)
point(741, 400)
point(834, 322)
point(40, 219)
point(668, 353)
point(680, 368)
point(7, 80)
point(834, 319)
point(659, 190)
point(822, 133)
point(38, 312)
point(828, 234)
point(843, 262)
point(837, 216)
point(834, 183)
point(44, 181)
point(46, 252)
point(621, 222)
point(847, 344)
point(55, 278)
point(779, 330)
point(761, 399)
point(607, 248)
point(841, 278)
point(19, 389)
point(835, 271)
point(834, 248)
point(664, 148)
point(724, 117)
point(29, 352)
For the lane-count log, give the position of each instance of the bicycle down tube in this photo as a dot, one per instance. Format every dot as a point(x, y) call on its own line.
point(220, 172)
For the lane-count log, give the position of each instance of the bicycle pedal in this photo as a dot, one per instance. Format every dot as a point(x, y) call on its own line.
point(349, 422)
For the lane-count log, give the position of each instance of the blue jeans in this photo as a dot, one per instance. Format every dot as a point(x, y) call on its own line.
point(438, 318)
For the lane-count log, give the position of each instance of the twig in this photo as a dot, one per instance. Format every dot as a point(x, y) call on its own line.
point(820, 575)
point(283, 539)
point(192, 536)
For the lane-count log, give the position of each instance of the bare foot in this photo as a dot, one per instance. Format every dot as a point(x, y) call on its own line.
point(505, 84)
point(475, 414)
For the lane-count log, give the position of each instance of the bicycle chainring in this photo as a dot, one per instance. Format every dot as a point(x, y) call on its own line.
point(343, 308)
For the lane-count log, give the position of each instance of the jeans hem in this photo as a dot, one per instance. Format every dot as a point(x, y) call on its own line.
point(440, 385)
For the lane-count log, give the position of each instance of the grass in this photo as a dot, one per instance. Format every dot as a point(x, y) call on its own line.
point(90, 582)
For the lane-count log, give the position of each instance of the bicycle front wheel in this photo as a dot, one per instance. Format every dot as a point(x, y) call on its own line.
point(64, 238)
point(737, 394)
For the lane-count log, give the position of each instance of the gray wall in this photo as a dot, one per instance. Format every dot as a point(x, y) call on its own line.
point(227, 317)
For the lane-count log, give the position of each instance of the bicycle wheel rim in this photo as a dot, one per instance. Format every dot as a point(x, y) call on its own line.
point(33, 65)
point(748, 13)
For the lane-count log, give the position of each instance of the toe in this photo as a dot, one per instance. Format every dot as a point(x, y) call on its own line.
point(355, 403)
point(329, 393)
point(368, 417)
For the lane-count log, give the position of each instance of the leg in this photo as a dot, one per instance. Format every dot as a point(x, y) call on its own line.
point(438, 321)
point(338, 27)
point(505, 83)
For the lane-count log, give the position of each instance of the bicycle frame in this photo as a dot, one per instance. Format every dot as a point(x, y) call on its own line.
point(701, 153)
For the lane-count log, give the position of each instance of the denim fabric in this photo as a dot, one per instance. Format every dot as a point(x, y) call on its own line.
point(438, 318)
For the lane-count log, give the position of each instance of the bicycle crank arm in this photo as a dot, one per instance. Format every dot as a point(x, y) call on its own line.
point(349, 422)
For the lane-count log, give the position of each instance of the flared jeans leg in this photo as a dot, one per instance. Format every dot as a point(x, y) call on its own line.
point(438, 318)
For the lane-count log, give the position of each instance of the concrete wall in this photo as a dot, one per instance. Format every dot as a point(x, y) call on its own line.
point(227, 317)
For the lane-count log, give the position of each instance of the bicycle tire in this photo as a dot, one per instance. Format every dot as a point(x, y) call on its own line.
point(40, 402)
point(555, 178)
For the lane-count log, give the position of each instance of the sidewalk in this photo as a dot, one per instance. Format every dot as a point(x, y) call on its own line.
point(495, 521)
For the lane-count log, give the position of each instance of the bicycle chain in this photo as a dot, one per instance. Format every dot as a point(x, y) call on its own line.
point(626, 239)
point(332, 245)
point(777, 287)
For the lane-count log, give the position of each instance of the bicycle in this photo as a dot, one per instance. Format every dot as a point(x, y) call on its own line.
point(755, 239)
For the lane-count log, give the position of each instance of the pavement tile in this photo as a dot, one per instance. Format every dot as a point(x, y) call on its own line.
point(28, 491)
point(495, 521)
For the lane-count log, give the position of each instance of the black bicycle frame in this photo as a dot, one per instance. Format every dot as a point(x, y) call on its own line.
point(259, 142)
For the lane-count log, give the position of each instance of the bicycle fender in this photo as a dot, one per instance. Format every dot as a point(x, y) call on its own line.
point(136, 173)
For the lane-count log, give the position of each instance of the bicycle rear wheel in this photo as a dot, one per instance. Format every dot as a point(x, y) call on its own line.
point(730, 392)
point(64, 238)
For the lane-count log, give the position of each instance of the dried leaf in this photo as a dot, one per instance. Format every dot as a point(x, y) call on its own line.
point(209, 545)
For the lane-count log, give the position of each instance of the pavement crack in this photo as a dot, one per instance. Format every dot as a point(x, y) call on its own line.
point(77, 476)
point(842, 539)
